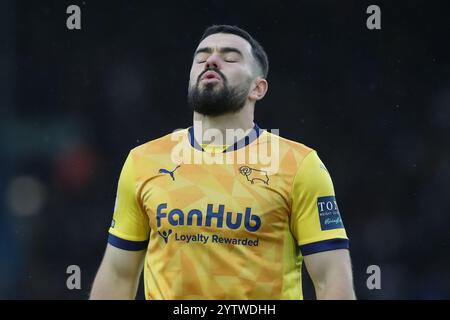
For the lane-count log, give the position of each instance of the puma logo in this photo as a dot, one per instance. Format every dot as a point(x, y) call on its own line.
point(162, 170)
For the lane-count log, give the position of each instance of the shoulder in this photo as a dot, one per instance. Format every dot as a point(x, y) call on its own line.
point(290, 150)
point(144, 160)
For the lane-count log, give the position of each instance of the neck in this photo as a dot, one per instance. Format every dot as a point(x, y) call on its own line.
point(214, 129)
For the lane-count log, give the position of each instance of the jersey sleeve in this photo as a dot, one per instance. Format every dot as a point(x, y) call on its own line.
point(315, 220)
point(130, 229)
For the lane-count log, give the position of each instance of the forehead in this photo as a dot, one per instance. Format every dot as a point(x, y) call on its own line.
point(220, 40)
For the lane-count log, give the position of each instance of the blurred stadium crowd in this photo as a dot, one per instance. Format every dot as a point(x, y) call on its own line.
point(374, 104)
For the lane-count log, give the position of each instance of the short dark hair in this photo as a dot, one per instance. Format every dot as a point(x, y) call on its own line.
point(257, 50)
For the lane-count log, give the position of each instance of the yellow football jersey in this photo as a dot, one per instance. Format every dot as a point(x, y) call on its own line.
point(225, 225)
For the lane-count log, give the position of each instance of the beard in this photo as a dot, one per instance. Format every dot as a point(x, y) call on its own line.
point(217, 98)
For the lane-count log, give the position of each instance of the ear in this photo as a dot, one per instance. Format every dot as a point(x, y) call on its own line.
point(259, 90)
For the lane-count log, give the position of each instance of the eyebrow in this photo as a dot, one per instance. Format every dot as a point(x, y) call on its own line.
point(221, 50)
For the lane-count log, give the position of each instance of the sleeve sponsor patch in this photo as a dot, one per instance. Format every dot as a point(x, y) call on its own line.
point(329, 215)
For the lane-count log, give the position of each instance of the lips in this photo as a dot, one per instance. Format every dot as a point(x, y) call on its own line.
point(209, 75)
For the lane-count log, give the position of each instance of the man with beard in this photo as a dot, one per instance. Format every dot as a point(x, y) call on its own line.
point(234, 229)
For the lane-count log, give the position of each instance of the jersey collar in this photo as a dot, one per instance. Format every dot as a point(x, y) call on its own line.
point(254, 133)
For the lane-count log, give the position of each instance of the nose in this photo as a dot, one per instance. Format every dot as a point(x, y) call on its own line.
point(213, 61)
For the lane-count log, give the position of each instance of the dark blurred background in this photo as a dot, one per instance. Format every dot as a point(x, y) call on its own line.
point(375, 104)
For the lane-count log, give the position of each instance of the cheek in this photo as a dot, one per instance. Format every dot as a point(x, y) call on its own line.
point(238, 76)
point(193, 75)
point(192, 80)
